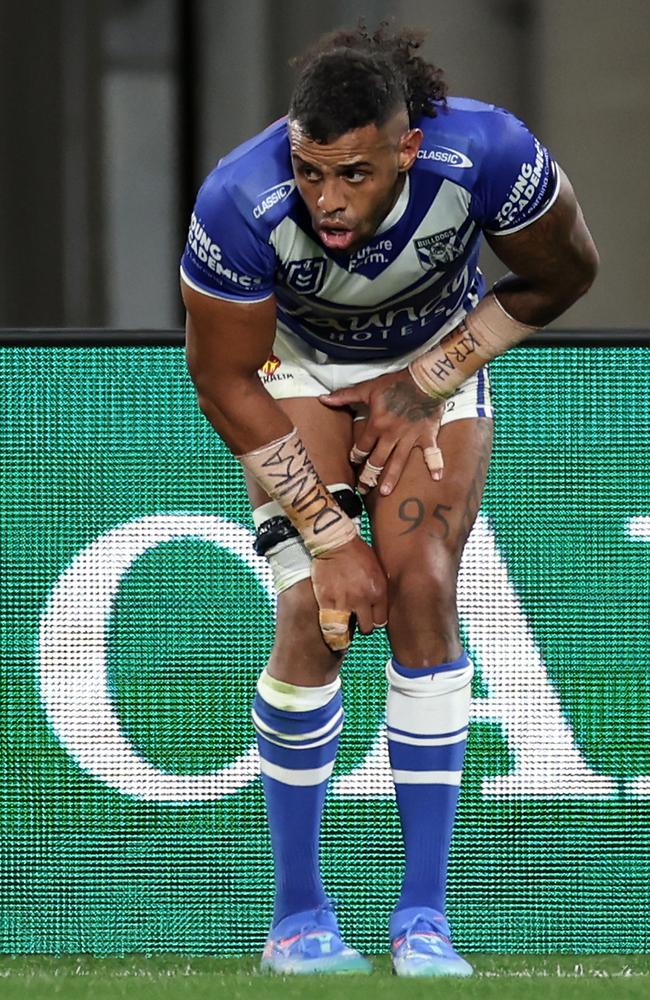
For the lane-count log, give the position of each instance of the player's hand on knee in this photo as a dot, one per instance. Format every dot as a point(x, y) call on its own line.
point(349, 585)
point(400, 418)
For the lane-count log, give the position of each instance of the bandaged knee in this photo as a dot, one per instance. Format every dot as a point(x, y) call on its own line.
point(280, 541)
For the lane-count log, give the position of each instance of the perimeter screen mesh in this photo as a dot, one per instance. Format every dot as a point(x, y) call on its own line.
point(135, 619)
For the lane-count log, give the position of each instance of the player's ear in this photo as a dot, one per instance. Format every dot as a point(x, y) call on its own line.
point(409, 145)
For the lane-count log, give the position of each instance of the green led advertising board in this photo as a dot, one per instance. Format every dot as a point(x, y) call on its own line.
point(135, 618)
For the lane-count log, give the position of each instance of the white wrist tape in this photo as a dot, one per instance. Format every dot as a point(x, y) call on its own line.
point(482, 334)
point(283, 469)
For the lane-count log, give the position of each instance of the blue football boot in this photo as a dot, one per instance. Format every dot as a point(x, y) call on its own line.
point(421, 945)
point(308, 942)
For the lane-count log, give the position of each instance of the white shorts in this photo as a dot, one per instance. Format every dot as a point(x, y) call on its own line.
point(296, 370)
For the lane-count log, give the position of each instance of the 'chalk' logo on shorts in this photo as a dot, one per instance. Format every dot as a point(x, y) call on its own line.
point(442, 248)
point(307, 276)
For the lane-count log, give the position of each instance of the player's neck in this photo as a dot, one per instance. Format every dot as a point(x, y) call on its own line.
point(391, 216)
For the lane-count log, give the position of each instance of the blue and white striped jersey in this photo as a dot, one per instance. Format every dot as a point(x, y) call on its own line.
point(479, 169)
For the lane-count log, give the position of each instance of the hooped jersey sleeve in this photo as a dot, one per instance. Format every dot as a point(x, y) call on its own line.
point(224, 256)
point(518, 181)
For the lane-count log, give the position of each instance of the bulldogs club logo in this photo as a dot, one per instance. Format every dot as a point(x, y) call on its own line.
point(440, 249)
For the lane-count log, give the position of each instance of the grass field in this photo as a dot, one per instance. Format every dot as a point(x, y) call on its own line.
point(499, 977)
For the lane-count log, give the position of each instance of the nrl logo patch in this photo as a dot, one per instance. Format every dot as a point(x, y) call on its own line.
point(441, 248)
point(307, 276)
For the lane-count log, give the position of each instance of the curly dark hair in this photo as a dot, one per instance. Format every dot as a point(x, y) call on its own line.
point(352, 77)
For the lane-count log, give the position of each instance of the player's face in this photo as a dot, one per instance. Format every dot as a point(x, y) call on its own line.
point(350, 184)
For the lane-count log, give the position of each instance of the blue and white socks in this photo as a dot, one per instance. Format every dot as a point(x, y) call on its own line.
point(427, 717)
point(298, 733)
point(297, 736)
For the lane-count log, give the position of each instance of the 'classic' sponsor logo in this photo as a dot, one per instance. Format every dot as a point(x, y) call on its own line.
point(273, 196)
point(444, 154)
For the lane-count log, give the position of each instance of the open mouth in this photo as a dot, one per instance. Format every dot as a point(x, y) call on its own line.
point(336, 237)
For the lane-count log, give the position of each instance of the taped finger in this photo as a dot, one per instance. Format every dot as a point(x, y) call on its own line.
point(434, 461)
point(369, 476)
point(335, 626)
point(357, 456)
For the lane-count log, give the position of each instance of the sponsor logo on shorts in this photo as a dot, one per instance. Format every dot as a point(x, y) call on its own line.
point(307, 276)
point(444, 154)
point(441, 248)
point(273, 196)
point(269, 370)
point(271, 366)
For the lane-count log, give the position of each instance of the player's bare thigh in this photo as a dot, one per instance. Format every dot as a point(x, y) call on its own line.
point(419, 533)
point(300, 655)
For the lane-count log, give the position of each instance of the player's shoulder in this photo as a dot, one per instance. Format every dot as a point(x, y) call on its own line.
point(462, 139)
point(254, 181)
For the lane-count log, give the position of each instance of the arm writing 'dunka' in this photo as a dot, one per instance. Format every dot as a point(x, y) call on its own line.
point(285, 471)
